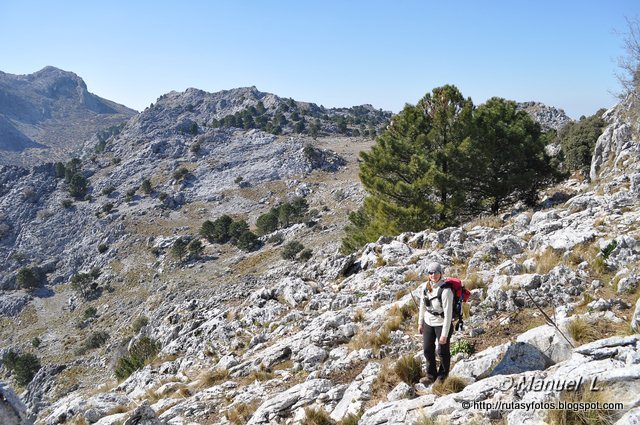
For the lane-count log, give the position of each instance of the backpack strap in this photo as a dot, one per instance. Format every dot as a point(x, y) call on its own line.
point(442, 287)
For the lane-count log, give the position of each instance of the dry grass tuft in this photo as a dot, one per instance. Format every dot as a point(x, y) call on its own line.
point(581, 331)
point(209, 378)
point(594, 416)
point(241, 413)
point(409, 369)
point(385, 382)
point(316, 416)
point(547, 260)
point(451, 385)
point(358, 316)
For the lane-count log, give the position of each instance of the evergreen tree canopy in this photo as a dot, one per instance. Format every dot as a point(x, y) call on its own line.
point(505, 159)
point(443, 161)
point(578, 140)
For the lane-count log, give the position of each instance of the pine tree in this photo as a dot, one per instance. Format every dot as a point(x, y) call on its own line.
point(505, 161)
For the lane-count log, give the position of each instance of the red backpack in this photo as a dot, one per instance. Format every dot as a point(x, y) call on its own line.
point(460, 295)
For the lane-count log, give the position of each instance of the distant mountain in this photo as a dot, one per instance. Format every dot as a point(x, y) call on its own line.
point(548, 117)
point(48, 115)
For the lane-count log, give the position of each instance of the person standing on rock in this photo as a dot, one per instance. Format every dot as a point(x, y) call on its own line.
point(435, 322)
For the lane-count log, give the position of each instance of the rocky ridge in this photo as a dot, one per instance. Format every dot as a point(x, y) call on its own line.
point(49, 115)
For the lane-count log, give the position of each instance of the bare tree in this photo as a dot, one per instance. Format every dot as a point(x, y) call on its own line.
point(629, 75)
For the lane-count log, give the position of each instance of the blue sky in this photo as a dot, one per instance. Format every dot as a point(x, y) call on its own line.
point(335, 53)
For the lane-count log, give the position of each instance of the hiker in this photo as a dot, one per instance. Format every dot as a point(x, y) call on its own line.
point(435, 323)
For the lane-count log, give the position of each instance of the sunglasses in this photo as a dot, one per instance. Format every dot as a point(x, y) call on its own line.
point(433, 272)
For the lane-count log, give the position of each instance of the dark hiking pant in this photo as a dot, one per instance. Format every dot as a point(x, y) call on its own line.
point(430, 334)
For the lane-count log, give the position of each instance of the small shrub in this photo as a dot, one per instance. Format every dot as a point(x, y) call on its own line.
point(139, 323)
point(276, 239)
point(248, 241)
point(409, 369)
point(35, 342)
point(23, 366)
point(305, 255)
point(462, 346)
point(179, 249)
point(319, 416)
point(142, 351)
point(451, 385)
point(291, 249)
point(102, 248)
point(350, 419)
point(27, 278)
point(89, 313)
point(209, 378)
point(180, 174)
point(238, 180)
point(195, 248)
point(146, 186)
point(95, 340)
point(108, 190)
point(106, 208)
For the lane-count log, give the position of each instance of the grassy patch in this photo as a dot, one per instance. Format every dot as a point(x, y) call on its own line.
point(409, 369)
point(316, 416)
point(583, 416)
point(241, 413)
point(451, 385)
point(547, 260)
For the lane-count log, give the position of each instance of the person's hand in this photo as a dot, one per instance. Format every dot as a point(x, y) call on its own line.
point(443, 340)
point(420, 329)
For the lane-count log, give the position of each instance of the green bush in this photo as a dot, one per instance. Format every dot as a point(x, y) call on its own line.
point(142, 351)
point(217, 231)
point(108, 190)
point(305, 255)
point(106, 208)
point(78, 186)
point(67, 203)
point(267, 223)
point(95, 340)
point(578, 140)
point(248, 241)
point(139, 323)
point(462, 346)
point(89, 313)
point(28, 278)
point(179, 248)
point(146, 186)
point(84, 284)
point(35, 342)
point(102, 248)
point(291, 249)
point(195, 248)
point(23, 366)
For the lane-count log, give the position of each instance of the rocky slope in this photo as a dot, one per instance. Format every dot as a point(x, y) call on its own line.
point(49, 115)
point(253, 338)
point(550, 118)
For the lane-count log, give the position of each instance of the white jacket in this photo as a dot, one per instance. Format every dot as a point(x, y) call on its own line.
point(446, 306)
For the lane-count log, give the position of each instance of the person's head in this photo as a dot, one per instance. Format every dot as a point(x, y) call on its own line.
point(434, 271)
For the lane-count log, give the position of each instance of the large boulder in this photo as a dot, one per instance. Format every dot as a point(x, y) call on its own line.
point(282, 404)
point(548, 340)
point(521, 357)
point(358, 392)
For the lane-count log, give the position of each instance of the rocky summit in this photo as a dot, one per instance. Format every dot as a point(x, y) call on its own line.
point(49, 115)
point(123, 302)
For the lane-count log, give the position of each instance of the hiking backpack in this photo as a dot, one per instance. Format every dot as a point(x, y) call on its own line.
point(460, 295)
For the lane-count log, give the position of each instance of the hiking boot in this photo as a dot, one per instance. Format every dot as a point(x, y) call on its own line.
point(427, 380)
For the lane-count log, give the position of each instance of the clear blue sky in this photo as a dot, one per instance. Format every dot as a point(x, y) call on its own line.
point(335, 53)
